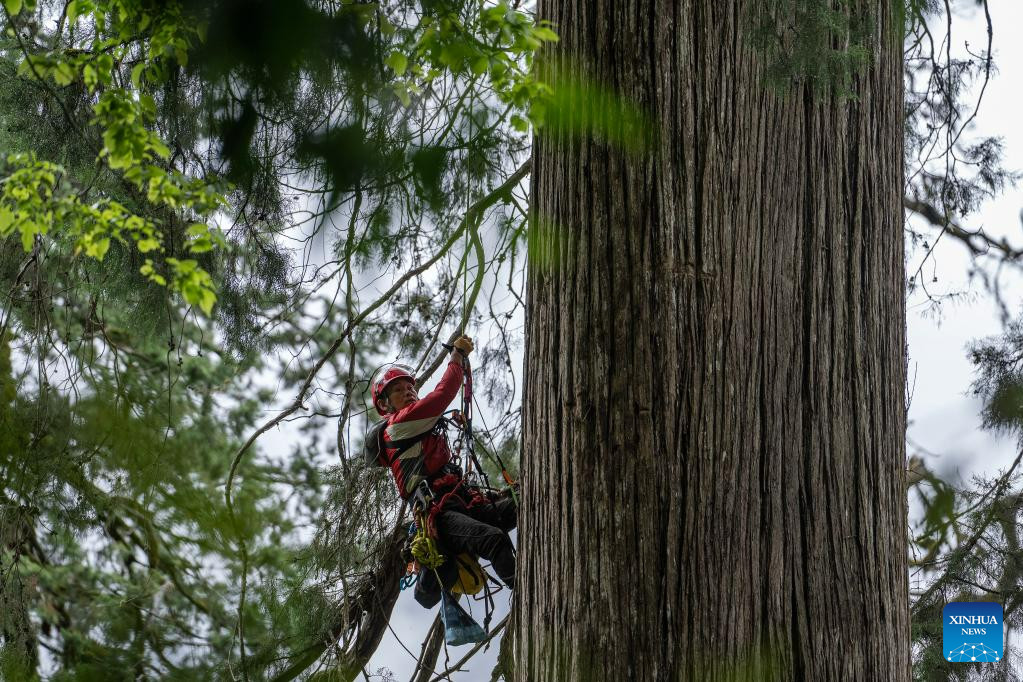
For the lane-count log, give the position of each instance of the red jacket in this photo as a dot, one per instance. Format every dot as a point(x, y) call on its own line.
point(427, 457)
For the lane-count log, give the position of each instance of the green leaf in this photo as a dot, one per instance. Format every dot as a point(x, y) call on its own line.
point(13, 6)
point(401, 90)
point(207, 301)
point(90, 76)
point(454, 55)
point(201, 245)
point(28, 233)
point(518, 123)
point(398, 63)
point(546, 34)
point(159, 148)
point(98, 248)
point(151, 274)
point(105, 63)
point(6, 220)
point(63, 74)
point(480, 65)
point(136, 74)
point(148, 244)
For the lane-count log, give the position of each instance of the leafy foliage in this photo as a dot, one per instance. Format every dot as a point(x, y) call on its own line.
point(333, 185)
point(37, 193)
point(124, 414)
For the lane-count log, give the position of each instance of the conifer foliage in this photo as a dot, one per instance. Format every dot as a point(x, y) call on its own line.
point(218, 218)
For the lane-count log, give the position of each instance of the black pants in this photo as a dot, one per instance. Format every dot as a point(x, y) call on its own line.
point(481, 531)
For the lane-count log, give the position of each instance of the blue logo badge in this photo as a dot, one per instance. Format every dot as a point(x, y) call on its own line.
point(972, 632)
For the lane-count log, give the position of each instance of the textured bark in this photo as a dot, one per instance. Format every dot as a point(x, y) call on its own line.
point(18, 636)
point(714, 400)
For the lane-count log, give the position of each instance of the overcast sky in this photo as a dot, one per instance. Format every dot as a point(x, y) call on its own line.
point(943, 417)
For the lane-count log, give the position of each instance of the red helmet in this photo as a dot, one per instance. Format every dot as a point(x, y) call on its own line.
point(387, 376)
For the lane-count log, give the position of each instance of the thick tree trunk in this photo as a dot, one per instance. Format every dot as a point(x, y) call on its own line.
point(714, 402)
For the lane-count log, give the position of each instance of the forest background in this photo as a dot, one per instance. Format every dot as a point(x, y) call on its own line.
point(219, 219)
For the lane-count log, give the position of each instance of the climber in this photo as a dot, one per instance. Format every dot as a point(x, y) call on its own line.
point(466, 519)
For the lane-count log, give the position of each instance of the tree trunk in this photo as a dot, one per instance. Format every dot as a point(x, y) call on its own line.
point(714, 481)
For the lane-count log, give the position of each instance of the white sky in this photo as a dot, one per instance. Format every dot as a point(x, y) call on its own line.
point(943, 416)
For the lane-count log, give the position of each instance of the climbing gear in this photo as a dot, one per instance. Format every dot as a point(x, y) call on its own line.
point(471, 578)
point(374, 450)
point(373, 445)
point(411, 565)
point(459, 627)
point(422, 497)
point(424, 547)
point(467, 440)
point(389, 375)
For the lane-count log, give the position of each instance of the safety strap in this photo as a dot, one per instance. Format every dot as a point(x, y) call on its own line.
point(403, 445)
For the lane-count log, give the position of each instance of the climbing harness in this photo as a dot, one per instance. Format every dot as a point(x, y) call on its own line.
point(421, 548)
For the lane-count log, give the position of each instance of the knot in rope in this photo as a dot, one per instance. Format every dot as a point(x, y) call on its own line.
point(424, 548)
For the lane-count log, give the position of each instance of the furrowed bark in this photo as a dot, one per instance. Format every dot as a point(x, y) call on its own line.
point(713, 410)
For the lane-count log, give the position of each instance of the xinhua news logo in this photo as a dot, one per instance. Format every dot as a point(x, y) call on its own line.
point(972, 632)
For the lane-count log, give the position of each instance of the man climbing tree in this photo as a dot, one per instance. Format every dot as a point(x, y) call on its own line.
point(713, 410)
point(463, 518)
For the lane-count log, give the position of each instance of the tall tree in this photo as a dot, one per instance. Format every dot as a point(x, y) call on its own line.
point(714, 399)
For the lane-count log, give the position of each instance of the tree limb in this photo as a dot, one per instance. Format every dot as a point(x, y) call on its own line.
point(431, 649)
point(472, 651)
point(978, 242)
point(375, 596)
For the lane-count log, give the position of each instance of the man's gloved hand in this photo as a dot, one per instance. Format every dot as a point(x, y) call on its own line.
point(464, 344)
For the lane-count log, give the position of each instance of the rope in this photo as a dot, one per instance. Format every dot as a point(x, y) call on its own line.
point(424, 547)
point(492, 453)
point(468, 197)
point(488, 605)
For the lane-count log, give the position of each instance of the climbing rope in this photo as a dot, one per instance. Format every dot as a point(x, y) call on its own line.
point(424, 547)
point(493, 454)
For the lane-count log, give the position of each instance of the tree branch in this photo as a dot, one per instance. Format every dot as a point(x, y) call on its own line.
point(472, 651)
point(431, 649)
point(375, 597)
point(963, 550)
point(978, 242)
